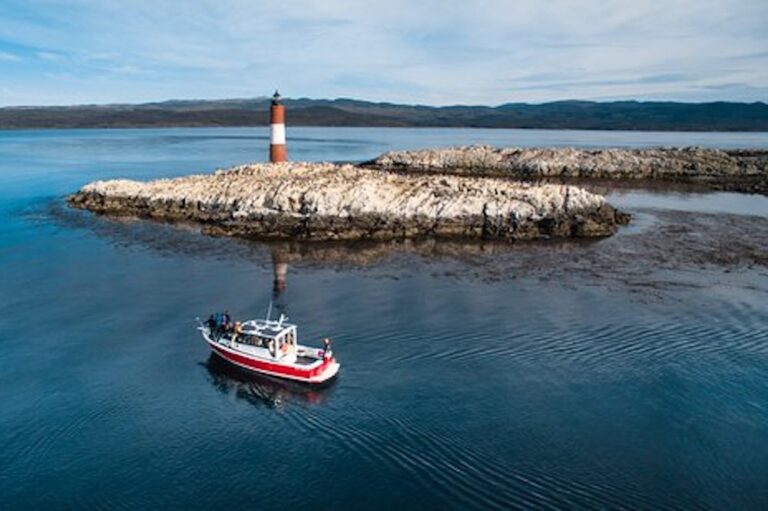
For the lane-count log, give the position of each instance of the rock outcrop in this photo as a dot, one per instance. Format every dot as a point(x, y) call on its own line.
point(324, 201)
point(740, 170)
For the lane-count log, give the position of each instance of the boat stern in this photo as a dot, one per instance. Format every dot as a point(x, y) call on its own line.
point(327, 372)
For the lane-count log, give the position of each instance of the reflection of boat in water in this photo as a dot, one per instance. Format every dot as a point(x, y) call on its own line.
point(271, 347)
point(259, 389)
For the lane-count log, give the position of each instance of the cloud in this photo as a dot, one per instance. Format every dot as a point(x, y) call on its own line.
point(128, 69)
point(9, 57)
point(49, 55)
point(438, 52)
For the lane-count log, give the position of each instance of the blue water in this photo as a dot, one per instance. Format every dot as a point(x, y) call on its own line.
point(631, 372)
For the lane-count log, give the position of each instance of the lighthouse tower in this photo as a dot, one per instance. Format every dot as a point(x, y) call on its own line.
point(277, 152)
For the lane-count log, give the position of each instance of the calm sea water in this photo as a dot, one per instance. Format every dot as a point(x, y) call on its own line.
point(631, 372)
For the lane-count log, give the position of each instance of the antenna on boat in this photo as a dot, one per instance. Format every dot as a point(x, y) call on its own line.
point(269, 310)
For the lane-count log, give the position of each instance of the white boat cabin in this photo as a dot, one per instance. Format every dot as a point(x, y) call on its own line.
point(266, 338)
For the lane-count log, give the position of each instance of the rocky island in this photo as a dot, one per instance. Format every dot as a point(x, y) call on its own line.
point(323, 201)
point(737, 170)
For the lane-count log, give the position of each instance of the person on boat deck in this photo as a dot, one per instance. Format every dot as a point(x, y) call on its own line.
point(211, 323)
point(326, 347)
point(226, 320)
point(287, 344)
point(237, 331)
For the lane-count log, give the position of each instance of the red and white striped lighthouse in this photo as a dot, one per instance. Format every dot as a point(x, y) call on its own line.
point(277, 150)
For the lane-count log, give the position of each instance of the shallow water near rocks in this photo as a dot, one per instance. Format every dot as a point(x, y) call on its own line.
point(625, 372)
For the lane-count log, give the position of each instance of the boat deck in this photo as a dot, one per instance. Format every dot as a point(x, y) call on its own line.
point(262, 352)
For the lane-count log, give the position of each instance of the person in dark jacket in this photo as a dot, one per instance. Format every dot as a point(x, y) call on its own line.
point(211, 324)
point(217, 318)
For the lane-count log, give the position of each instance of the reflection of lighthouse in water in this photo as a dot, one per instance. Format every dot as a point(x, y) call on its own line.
point(280, 269)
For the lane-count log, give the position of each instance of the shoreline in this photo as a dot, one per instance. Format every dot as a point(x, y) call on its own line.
point(416, 128)
point(326, 112)
point(374, 126)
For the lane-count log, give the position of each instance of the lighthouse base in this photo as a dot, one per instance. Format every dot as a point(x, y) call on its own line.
point(277, 153)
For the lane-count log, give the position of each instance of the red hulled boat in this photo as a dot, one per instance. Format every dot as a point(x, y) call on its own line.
point(271, 347)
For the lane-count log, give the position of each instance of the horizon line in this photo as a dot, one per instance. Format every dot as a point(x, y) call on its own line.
point(380, 102)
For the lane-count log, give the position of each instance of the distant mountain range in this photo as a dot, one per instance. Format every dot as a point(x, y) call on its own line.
point(618, 115)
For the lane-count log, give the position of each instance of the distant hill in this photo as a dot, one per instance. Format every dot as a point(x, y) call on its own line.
point(618, 115)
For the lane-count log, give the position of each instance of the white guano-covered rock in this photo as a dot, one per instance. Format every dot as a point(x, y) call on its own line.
point(328, 201)
point(740, 170)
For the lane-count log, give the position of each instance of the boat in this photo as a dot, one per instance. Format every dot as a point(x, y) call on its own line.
point(271, 347)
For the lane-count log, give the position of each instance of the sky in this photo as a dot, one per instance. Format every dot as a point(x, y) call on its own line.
point(427, 52)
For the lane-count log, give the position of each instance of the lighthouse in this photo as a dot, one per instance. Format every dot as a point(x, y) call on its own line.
point(277, 152)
